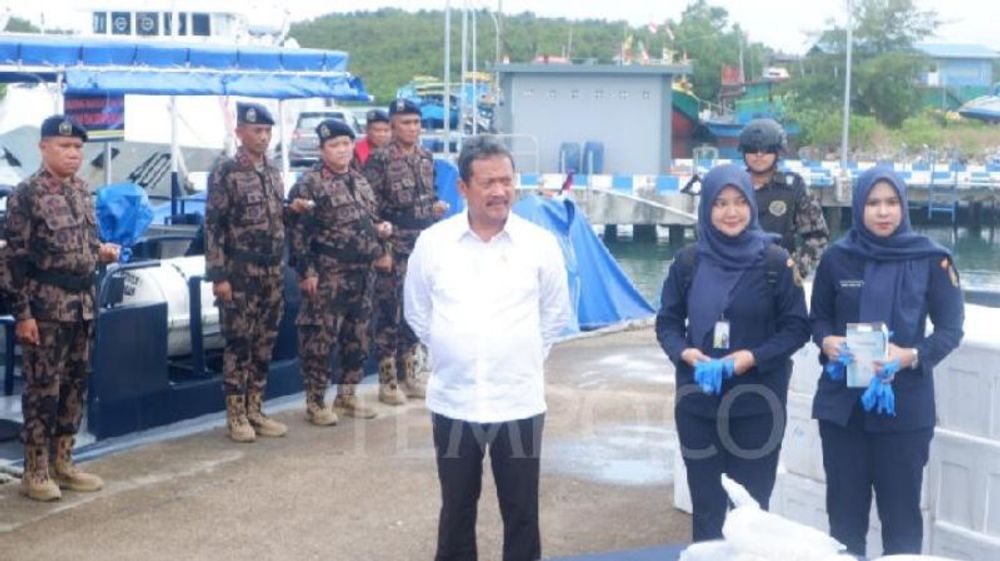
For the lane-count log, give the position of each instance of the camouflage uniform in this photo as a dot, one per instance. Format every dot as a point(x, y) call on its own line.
point(404, 187)
point(53, 249)
point(244, 244)
point(337, 243)
point(785, 207)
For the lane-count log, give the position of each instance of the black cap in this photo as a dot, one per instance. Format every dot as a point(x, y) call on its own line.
point(332, 128)
point(403, 106)
point(61, 125)
point(253, 114)
point(376, 115)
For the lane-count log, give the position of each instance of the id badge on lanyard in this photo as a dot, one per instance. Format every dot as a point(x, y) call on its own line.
point(720, 336)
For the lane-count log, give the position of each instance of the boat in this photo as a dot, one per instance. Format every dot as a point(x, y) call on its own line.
point(686, 107)
point(428, 93)
point(984, 108)
point(199, 120)
point(740, 102)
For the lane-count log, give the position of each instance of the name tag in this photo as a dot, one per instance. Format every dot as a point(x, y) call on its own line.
point(852, 283)
point(720, 339)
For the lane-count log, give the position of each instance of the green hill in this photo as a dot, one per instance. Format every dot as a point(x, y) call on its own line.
point(389, 47)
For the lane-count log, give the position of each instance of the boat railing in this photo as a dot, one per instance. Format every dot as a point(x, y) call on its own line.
point(532, 152)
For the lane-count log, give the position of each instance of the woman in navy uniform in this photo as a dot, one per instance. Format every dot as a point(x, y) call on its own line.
point(733, 295)
point(881, 271)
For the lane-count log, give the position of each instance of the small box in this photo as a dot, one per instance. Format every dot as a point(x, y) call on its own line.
point(868, 342)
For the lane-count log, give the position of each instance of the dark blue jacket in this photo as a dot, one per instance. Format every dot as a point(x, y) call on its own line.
point(835, 302)
point(769, 321)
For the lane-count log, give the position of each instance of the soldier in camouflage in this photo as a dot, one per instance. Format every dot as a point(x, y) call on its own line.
point(53, 251)
point(402, 177)
point(333, 249)
point(785, 206)
point(244, 243)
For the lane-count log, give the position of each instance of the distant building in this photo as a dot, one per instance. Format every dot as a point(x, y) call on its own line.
point(958, 65)
point(627, 110)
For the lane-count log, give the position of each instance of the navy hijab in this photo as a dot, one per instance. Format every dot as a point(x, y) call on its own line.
point(722, 259)
point(896, 266)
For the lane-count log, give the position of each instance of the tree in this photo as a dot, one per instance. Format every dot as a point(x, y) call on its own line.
point(18, 25)
point(885, 69)
point(882, 26)
point(886, 88)
point(704, 33)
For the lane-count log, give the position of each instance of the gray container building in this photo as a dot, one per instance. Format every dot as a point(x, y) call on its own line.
point(626, 108)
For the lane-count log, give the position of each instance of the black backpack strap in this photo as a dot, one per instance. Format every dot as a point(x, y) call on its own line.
point(775, 262)
point(688, 259)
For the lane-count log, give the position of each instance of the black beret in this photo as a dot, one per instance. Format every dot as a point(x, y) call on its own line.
point(332, 128)
point(403, 106)
point(253, 114)
point(376, 115)
point(61, 125)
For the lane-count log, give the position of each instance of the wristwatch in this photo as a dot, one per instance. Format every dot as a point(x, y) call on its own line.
point(916, 357)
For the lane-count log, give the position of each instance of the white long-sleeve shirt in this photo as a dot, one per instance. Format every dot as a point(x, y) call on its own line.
point(488, 312)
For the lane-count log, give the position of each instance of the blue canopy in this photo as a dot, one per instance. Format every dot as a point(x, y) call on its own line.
point(100, 66)
point(601, 292)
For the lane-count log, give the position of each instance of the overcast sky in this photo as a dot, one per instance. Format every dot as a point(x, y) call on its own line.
point(781, 24)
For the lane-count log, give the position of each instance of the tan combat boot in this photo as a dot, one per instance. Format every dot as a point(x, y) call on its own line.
point(317, 412)
point(347, 403)
point(261, 423)
point(66, 475)
point(412, 386)
point(388, 387)
point(236, 420)
point(35, 482)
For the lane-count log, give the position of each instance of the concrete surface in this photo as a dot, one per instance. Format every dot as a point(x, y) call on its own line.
point(368, 489)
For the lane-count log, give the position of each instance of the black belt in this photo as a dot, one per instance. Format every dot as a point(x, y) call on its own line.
point(404, 222)
point(264, 260)
point(71, 282)
point(344, 255)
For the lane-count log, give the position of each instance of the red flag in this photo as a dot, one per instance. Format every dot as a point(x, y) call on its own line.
point(568, 183)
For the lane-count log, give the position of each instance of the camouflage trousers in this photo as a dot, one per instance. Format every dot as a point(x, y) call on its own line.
point(340, 314)
point(55, 376)
point(393, 336)
point(250, 327)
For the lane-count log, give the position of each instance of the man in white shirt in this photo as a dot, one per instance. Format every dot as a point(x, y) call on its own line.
point(486, 291)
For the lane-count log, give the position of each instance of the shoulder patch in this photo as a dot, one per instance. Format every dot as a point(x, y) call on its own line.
point(947, 265)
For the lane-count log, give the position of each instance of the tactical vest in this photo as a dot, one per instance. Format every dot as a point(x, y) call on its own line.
point(776, 206)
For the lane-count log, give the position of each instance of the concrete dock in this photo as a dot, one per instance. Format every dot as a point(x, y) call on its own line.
point(368, 489)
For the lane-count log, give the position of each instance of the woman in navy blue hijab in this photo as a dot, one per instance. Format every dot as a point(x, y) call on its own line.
point(882, 271)
point(733, 297)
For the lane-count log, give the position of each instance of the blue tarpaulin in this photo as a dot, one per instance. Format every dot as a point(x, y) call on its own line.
point(446, 184)
point(91, 66)
point(123, 214)
point(602, 293)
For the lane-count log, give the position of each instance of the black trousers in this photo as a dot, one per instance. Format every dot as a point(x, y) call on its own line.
point(744, 448)
point(514, 447)
point(892, 464)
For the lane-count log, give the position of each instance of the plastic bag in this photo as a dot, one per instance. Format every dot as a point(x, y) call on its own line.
point(749, 529)
point(717, 550)
point(911, 557)
point(123, 214)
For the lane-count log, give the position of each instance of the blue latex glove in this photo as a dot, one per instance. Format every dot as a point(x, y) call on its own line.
point(837, 369)
point(709, 374)
point(879, 395)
